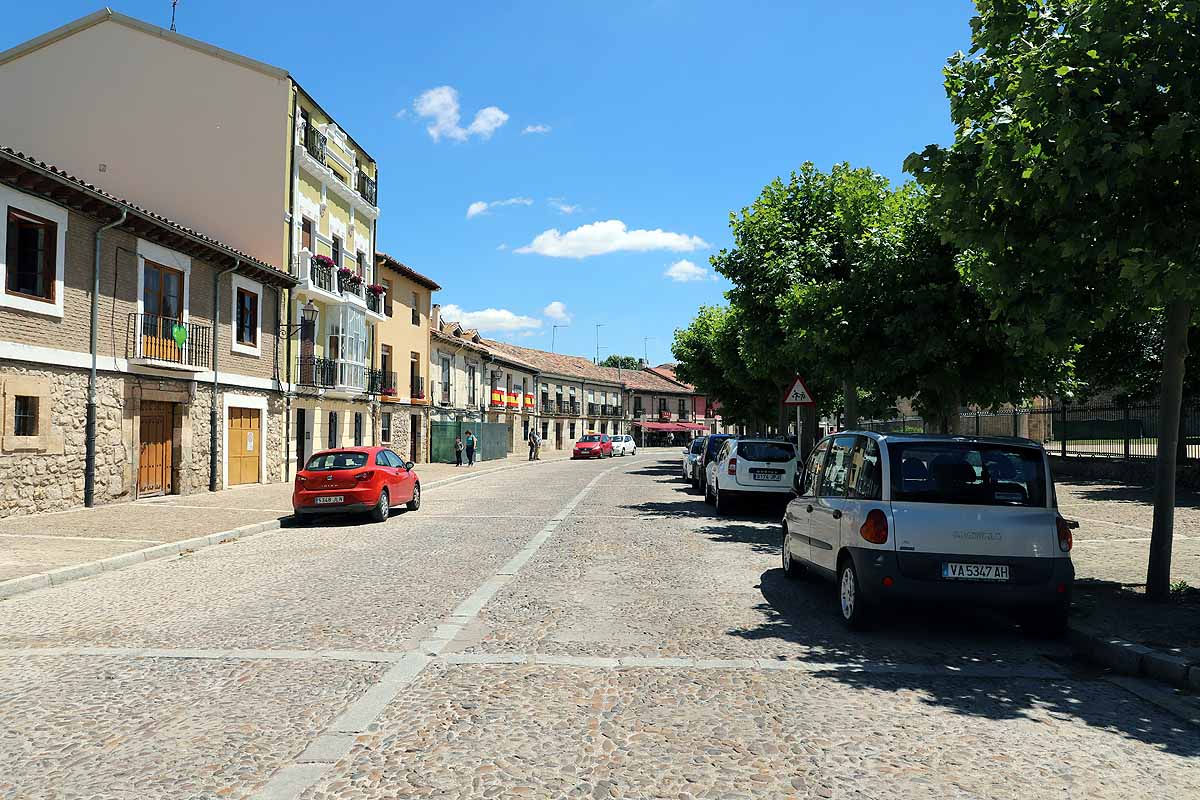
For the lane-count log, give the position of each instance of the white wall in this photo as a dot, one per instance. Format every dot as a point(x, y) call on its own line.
point(183, 133)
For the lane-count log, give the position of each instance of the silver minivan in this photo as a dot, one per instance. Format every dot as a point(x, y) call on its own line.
point(966, 520)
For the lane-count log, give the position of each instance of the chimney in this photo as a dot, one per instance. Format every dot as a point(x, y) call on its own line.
point(435, 317)
point(643, 363)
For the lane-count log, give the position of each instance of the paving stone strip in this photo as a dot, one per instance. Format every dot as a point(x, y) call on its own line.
point(334, 743)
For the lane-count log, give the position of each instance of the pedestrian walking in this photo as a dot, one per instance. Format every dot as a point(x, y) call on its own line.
point(470, 443)
point(533, 444)
point(458, 451)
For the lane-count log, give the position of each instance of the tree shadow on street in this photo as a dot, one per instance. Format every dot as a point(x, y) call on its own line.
point(765, 539)
point(1121, 493)
point(952, 642)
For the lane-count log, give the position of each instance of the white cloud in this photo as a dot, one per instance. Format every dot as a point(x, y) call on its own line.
point(441, 106)
point(535, 129)
point(557, 311)
point(502, 246)
point(611, 236)
point(402, 114)
point(490, 319)
point(480, 207)
point(562, 206)
point(684, 271)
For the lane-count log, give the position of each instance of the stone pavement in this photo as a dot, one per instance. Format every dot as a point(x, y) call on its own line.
point(40, 543)
point(605, 635)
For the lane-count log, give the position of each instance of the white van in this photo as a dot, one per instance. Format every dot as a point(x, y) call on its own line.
point(956, 519)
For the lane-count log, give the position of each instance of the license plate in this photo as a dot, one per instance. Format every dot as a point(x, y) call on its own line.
point(332, 498)
point(759, 476)
point(975, 572)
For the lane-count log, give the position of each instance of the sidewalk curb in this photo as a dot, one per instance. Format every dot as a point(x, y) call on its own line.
point(1130, 658)
point(57, 577)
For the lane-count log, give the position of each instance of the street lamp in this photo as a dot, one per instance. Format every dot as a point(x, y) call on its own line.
point(599, 325)
point(308, 316)
point(553, 331)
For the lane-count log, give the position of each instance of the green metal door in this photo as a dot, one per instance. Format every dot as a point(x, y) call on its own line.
point(441, 440)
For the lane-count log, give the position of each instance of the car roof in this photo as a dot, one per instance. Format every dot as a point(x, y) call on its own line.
point(941, 437)
point(756, 439)
point(367, 450)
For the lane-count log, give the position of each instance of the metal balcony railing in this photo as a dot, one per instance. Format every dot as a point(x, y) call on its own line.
point(593, 409)
point(317, 372)
point(320, 274)
point(349, 283)
point(381, 382)
point(168, 340)
point(367, 188)
point(314, 143)
point(416, 387)
point(375, 303)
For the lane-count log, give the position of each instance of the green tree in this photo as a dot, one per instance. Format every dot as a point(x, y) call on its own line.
point(622, 362)
point(1076, 169)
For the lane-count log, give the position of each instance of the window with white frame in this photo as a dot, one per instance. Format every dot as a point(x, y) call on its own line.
point(246, 316)
point(347, 338)
point(32, 253)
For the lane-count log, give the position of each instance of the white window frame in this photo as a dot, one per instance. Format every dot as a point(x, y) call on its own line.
point(59, 216)
point(242, 282)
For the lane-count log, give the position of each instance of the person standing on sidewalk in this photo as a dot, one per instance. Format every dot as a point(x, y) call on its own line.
point(470, 449)
point(458, 451)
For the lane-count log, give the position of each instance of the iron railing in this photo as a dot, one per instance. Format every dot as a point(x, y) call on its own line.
point(314, 143)
point(416, 387)
point(168, 340)
point(375, 303)
point(316, 372)
point(349, 283)
point(320, 274)
point(382, 382)
point(367, 188)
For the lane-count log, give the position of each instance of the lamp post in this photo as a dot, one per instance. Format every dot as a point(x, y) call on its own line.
point(599, 325)
point(553, 331)
point(308, 319)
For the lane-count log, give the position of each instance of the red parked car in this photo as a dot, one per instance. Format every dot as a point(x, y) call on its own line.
point(352, 480)
point(593, 445)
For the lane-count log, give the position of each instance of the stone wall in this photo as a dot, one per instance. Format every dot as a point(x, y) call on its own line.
point(401, 433)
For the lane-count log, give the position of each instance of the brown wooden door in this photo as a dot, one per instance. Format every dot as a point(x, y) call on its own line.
point(244, 440)
point(154, 460)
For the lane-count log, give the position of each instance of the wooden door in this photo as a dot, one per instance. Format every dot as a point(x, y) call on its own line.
point(414, 439)
point(154, 453)
point(244, 440)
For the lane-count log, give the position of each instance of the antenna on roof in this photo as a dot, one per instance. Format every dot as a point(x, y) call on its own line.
point(174, 3)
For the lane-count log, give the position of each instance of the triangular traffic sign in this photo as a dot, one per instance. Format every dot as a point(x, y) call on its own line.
point(798, 394)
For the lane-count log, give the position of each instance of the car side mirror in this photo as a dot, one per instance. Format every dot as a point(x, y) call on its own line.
point(408, 465)
point(685, 451)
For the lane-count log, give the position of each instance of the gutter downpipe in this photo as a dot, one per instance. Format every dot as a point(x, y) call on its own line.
point(212, 414)
point(89, 459)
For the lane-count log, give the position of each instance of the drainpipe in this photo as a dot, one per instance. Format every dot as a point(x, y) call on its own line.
point(212, 415)
point(89, 459)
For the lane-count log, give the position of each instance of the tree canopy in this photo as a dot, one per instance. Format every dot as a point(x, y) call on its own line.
point(622, 362)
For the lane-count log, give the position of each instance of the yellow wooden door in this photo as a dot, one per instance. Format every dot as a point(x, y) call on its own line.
point(244, 437)
point(154, 451)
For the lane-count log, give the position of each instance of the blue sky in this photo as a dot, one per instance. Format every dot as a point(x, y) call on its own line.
point(642, 124)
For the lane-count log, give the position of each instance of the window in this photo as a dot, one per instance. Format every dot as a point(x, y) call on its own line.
point(445, 379)
point(385, 358)
point(338, 175)
point(866, 474)
point(837, 467)
point(766, 452)
point(387, 296)
point(546, 431)
point(337, 252)
point(572, 430)
point(247, 318)
point(975, 474)
point(358, 429)
point(360, 259)
point(682, 406)
point(25, 416)
point(385, 427)
point(306, 234)
point(637, 404)
point(604, 427)
point(471, 381)
point(416, 309)
point(162, 293)
point(332, 432)
point(327, 462)
point(30, 256)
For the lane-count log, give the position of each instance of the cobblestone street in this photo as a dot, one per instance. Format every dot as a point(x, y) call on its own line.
point(587, 630)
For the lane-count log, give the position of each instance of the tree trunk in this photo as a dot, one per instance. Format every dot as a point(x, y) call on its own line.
point(1175, 351)
point(850, 397)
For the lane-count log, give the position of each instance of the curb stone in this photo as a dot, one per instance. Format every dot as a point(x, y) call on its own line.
point(1130, 658)
point(57, 577)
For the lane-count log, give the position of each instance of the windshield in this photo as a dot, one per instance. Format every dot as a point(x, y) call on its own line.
point(975, 473)
point(591, 437)
point(766, 451)
point(714, 444)
point(331, 461)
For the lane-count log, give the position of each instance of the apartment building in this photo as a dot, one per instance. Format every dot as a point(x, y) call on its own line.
point(182, 334)
point(402, 353)
point(703, 409)
point(238, 149)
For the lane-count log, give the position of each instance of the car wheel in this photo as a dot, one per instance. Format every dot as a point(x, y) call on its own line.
point(415, 503)
point(791, 567)
point(855, 611)
point(380, 512)
point(723, 503)
point(708, 498)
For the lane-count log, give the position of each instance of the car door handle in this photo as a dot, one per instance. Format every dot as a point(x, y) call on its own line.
point(837, 513)
point(809, 509)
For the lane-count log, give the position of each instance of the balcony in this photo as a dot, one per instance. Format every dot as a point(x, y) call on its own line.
point(416, 388)
point(375, 303)
point(314, 144)
point(316, 373)
point(381, 382)
point(610, 411)
point(350, 284)
point(367, 189)
point(561, 408)
point(316, 274)
point(159, 341)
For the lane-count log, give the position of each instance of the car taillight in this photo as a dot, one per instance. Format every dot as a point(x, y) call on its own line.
point(875, 529)
point(364, 476)
point(732, 466)
point(1065, 538)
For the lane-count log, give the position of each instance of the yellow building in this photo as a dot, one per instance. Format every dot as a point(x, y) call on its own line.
point(402, 353)
point(236, 149)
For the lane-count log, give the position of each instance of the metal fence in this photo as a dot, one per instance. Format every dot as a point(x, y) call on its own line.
point(1104, 430)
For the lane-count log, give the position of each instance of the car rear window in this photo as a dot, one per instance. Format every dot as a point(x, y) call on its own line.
point(698, 446)
point(590, 438)
point(714, 445)
point(324, 462)
point(766, 451)
point(974, 473)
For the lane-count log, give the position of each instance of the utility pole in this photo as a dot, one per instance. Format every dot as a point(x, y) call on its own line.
point(174, 3)
point(599, 325)
point(646, 349)
point(553, 331)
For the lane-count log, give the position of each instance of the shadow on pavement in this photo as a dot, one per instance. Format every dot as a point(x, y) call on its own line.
point(1104, 490)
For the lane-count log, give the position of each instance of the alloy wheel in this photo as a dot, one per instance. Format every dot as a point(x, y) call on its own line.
point(848, 593)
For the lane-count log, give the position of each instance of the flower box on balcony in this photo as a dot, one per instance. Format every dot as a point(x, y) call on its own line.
point(389, 392)
point(324, 261)
point(376, 289)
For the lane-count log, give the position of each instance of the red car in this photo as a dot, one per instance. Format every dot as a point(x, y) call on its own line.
point(593, 445)
point(352, 480)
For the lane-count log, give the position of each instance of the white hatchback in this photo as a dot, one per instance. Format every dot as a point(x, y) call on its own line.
point(955, 520)
point(623, 445)
point(743, 468)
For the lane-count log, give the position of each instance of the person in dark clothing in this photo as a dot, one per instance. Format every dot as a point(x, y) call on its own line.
point(458, 451)
point(471, 442)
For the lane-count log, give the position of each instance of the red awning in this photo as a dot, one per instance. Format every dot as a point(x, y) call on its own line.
point(693, 426)
point(665, 427)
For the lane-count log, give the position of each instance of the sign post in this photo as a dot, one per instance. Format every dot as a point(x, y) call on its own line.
point(798, 395)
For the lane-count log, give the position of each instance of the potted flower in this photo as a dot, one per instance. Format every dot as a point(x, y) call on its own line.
point(389, 391)
point(324, 261)
point(376, 289)
point(348, 278)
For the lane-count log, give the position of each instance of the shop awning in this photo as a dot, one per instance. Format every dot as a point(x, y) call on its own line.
point(693, 426)
point(665, 427)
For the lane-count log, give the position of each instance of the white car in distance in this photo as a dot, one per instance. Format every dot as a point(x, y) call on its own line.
point(623, 445)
